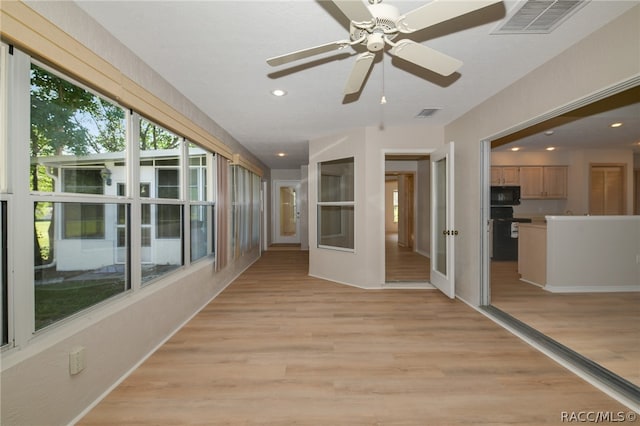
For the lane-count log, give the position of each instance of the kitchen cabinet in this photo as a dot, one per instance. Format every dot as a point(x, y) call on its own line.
point(543, 182)
point(505, 175)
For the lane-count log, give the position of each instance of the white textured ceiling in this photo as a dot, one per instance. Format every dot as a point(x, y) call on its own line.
point(214, 52)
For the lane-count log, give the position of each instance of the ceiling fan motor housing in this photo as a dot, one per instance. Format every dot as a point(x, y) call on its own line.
point(383, 24)
point(375, 42)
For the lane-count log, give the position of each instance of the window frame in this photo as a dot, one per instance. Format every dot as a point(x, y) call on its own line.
point(342, 204)
point(206, 198)
point(20, 264)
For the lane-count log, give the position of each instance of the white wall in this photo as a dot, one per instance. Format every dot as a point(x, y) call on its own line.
point(364, 267)
point(304, 208)
point(593, 253)
point(606, 58)
point(423, 237)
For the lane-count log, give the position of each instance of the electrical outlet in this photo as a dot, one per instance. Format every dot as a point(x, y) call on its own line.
point(77, 361)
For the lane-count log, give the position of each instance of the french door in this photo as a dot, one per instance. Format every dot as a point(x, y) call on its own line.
point(287, 212)
point(443, 231)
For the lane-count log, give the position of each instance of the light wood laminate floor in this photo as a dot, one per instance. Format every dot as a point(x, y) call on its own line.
point(402, 264)
point(278, 347)
point(604, 327)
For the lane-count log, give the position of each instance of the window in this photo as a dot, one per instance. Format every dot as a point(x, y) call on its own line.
point(77, 185)
point(168, 217)
point(201, 208)
point(77, 146)
point(168, 183)
point(72, 128)
point(161, 220)
point(84, 270)
point(245, 210)
point(336, 204)
point(83, 220)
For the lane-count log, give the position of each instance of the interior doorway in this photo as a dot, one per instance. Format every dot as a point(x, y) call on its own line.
point(407, 218)
point(286, 212)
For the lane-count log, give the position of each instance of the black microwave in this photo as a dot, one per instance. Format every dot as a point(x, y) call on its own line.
point(505, 195)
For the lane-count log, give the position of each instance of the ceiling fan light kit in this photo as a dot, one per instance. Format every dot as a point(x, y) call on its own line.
point(377, 25)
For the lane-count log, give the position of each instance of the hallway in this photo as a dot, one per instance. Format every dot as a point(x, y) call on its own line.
point(280, 347)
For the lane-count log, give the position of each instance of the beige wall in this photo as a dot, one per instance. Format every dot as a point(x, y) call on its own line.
point(604, 59)
point(36, 387)
point(365, 266)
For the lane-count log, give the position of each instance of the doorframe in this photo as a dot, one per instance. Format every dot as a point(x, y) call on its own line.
point(381, 236)
point(265, 218)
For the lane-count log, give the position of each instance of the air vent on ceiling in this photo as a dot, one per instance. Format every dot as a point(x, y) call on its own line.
point(539, 16)
point(427, 112)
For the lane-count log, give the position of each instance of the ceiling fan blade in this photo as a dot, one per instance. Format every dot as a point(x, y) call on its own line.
point(438, 11)
point(359, 72)
point(425, 57)
point(305, 53)
point(355, 10)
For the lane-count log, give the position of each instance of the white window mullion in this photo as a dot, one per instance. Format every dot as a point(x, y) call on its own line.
point(184, 174)
point(212, 197)
point(20, 211)
point(133, 192)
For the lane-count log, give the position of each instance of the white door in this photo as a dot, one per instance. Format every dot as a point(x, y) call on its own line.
point(286, 211)
point(442, 221)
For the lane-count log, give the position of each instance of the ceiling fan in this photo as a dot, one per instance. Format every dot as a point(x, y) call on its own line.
point(377, 24)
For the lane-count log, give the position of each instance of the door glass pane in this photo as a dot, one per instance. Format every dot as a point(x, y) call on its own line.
point(441, 216)
point(287, 211)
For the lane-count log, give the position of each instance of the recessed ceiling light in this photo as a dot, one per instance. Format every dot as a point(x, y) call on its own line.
point(549, 132)
point(278, 92)
point(282, 154)
point(550, 148)
point(618, 124)
point(515, 148)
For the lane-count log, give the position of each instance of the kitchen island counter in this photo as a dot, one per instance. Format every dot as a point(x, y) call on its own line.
point(532, 253)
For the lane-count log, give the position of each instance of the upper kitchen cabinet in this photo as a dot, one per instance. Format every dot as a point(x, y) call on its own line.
point(543, 182)
point(505, 175)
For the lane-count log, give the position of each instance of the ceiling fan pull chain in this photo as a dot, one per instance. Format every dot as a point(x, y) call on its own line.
point(383, 98)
